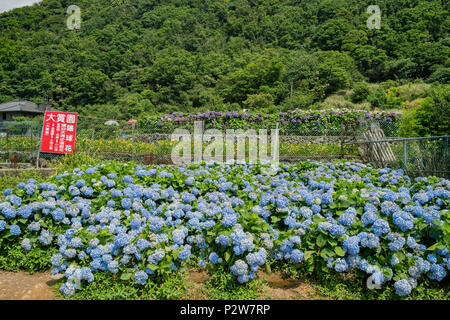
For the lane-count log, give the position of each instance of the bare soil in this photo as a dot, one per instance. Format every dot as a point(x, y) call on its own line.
point(195, 280)
point(277, 288)
point(25, 286)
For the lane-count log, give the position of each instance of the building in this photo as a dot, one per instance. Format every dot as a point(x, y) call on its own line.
point(29, 109)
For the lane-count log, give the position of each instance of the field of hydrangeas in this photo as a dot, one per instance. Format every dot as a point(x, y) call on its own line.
point(144, 225)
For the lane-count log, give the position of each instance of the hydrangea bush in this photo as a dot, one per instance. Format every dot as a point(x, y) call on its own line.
point(293, 119)
point(143, 224)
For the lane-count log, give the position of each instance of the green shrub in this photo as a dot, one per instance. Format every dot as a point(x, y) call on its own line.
point(378, 99)
point(14, 258)
point(11, 181)
point(385, 85)
point(223, 286)
point(431, 117)
point(108, 287)
point(386, 99)
point(441, 75)
point(361, 91)
point(410, 123)
point(258, 101)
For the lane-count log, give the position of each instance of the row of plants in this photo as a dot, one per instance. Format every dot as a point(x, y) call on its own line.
point(141, 226)
point(317, 121)
point(98, 147)
point(87, 145)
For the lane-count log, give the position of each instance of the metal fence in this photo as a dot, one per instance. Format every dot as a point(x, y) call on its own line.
point(19, 141)
point(422, 156)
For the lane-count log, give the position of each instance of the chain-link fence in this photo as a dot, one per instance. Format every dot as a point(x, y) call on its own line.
point(422, 156)
point(19, 141)
point(390, 129)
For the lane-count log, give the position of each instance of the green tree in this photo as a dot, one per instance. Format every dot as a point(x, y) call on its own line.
point(301, 71)
point(370, 60)
point(265, 70)
point(331, 34)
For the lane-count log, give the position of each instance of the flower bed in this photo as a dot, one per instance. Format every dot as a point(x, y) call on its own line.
point(142, 225)
point(300, 121)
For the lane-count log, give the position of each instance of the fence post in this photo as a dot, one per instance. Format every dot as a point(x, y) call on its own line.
point(446, 158)
point(89, 150)
point(39, 146)
point(404, 155)
point(342, 141)
point(132, 143)
point(7, 143)
point(31, 141)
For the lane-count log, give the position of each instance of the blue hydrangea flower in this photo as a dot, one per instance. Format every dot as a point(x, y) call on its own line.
point(223, 240)
point(437, 272)
point(126, 203)
point(432, 258)
point(26, 244)
point(68, 289)
point(394, 260)
point(128, 179)
point(202, 263)
point(337, 230)
point(351, 245)
point(229, 219)
point(340, 265)
point(214, 258)
point(80, 183)
point(296, 256)
point(402, 287)
point(140, 278)
point(15, 230)
point(346, 219)
point(46, 237)
point(380, 227)
point(403, 220)
point(368, 218)
point(185, 253)
point(239, 268)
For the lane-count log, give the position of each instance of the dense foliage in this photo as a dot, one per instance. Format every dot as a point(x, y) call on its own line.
point(431, 117)
point(147, 56)
point(142, 225)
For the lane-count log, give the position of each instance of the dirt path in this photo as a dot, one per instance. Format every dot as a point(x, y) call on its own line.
point(24, 286)
point(195, 280)
point(278, 288)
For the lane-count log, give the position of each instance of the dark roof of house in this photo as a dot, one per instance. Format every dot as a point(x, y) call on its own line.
point(24, 106)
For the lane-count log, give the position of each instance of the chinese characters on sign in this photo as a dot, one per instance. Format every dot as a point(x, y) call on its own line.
point(58, 133)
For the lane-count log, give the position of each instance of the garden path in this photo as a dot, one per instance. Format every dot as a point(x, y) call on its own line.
point(25, 286)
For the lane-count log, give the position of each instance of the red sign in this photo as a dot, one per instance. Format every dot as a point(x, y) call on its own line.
point(59, 131)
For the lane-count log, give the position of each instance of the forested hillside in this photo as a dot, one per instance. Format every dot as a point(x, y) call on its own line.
point(140, 57)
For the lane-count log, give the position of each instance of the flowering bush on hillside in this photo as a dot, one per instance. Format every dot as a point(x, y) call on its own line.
point(331, 119)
